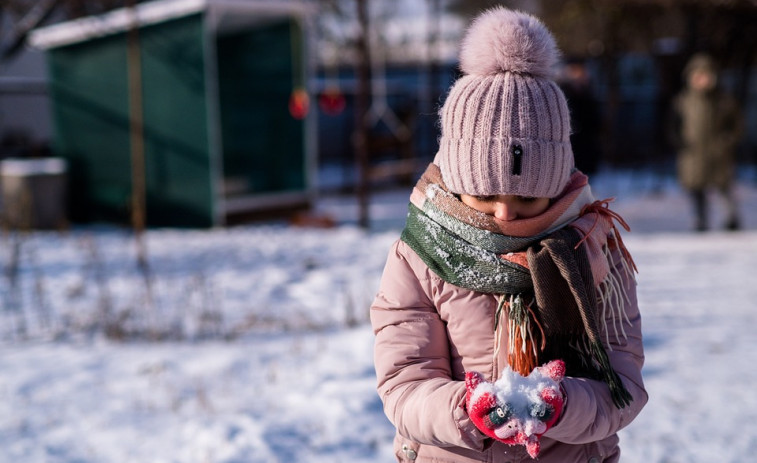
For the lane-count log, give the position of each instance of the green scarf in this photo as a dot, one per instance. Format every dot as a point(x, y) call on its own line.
point(464, 255)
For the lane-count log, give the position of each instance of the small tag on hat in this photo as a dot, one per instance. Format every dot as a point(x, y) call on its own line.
point(517, 152)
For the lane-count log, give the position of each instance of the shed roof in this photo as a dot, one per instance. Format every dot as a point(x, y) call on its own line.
point(147, 13)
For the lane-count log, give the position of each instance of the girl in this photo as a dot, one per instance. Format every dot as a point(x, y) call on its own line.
point(506, 323)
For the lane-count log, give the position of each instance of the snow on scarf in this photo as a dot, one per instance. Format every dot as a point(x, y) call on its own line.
point(550, 272)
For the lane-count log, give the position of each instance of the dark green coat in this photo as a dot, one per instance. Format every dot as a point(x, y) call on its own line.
point(708, 127)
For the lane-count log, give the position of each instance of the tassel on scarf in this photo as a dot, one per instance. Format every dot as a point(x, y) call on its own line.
point(523, 353)
point(602, 209)
point(612, 294)
point(620, 395)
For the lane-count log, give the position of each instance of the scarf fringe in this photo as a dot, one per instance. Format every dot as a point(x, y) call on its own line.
point(524, 344)
point(601, 209)
point(583, 347)
point(626, 261)
point(612, 295)
point(620, 395)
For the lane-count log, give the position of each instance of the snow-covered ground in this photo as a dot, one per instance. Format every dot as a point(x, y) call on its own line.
point(266, 352)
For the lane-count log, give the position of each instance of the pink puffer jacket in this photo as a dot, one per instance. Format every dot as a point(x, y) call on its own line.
point(429, 333)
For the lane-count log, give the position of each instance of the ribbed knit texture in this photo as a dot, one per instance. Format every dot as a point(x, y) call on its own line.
point(486, 118)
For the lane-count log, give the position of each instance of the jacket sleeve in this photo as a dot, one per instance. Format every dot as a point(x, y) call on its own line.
point(733, 123)
point(412, 359)
point(589, 414)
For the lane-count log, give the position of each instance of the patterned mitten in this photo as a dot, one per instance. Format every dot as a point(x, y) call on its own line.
point(517, 410)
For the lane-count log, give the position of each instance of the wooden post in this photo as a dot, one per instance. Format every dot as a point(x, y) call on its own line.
point(136, 138)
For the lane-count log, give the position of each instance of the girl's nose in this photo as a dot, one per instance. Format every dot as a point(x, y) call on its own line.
point(504, 210)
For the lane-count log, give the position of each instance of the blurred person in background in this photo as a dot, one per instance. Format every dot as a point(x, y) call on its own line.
point(706, 126)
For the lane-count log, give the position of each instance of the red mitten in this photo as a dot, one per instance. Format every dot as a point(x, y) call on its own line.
point(517, 410)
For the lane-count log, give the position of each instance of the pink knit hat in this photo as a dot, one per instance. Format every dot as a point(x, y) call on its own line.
point(505, 123)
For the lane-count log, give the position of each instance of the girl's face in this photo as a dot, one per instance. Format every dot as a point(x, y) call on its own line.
point(507, 207)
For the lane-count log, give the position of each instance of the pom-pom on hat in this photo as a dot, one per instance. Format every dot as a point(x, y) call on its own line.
point(505, 123)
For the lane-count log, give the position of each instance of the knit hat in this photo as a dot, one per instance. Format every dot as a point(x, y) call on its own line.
point(505, 123)
point(700, 62)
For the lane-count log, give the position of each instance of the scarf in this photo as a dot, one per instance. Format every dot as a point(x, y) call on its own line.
point(550, 272)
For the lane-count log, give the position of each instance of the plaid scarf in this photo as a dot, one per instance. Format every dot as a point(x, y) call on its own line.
point(550, 271)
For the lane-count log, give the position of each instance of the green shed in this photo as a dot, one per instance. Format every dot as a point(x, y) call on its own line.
point(219, 136)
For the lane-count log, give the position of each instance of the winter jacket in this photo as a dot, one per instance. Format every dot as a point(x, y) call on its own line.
point(430, 332)
point(705, 128)
point(709, 127)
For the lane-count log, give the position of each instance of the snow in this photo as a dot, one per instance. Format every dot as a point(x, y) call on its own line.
point(252, 343)
point(520, 396)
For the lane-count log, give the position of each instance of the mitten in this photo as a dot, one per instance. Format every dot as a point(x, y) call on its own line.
point(517, 410)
